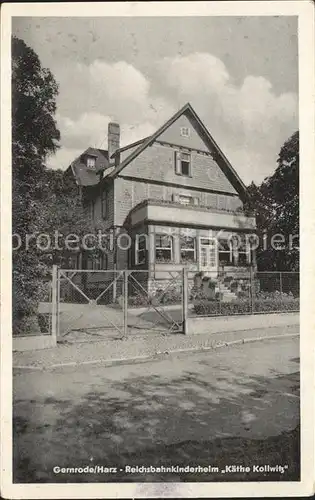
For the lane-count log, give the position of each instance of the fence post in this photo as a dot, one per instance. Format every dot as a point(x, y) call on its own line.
point(54, 303)
point(114, 284)
point(251, 288)
point(185, 300)
point(280, 284)
point(125, 302)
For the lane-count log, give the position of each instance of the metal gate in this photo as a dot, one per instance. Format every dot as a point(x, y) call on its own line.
point(102, 304)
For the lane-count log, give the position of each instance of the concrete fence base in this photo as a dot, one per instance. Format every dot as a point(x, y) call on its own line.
point(33, 342)
point(218, 324)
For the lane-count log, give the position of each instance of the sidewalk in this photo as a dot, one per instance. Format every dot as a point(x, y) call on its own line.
point(139, 348)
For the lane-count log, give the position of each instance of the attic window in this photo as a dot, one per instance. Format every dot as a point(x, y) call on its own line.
point(91, 162)
point(185, 131)
point(183, 163)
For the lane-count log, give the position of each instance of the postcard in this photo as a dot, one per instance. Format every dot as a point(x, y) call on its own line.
point(157, 278)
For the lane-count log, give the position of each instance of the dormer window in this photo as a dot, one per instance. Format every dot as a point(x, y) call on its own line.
point(185, 131)
point(91, 162)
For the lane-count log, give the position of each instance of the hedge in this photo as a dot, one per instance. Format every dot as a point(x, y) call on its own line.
point(263, 302)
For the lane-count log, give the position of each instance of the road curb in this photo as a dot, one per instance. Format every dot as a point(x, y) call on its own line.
point(156, 356)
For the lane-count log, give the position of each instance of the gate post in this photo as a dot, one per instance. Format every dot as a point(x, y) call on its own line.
point(125, 302)
point(185, 300)
point(54, 303)
point(252, 289)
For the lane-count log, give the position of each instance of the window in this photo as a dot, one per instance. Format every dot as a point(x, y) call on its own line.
point(163, 248)
point(225, 252)
point(141, 249)
point(74, 261)
point(104, 204)
point(97, 262)
point(185, 200)
point(187, 249)
point(90, 162)
point(185, 131)
point(243, 254)
point(241, 251)
point(183, 163)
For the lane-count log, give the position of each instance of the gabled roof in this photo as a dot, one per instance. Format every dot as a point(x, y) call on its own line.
point(219, 156)
point(86, 176)
point(132, 145)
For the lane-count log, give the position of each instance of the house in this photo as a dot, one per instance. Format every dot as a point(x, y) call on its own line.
point(176, 197)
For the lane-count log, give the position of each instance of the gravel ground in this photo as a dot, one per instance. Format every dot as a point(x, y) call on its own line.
point(137, 346)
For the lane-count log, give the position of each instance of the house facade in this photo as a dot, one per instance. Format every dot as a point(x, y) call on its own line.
point(172, 200)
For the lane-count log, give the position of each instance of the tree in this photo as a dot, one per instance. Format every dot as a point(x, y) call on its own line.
point(34, 137)
point(276, 202)
point(44, 200)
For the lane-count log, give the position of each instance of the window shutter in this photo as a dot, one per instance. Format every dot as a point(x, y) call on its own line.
point(178, 169)
point(175, 197)
point(196, 201)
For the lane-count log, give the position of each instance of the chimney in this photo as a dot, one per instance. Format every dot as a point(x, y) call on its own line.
point(113, 139)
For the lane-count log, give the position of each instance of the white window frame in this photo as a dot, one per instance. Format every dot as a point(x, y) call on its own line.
point(171, 247)
point(229, 252)
point(244, 252)
point(181, 247)
point(185, 131)
point(236, 253)
point(90, 159)
point(140, 251)
point(213, 269)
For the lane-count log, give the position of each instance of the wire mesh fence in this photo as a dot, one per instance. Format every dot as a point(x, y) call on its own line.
point(105, 302)
point(90, 303)
point(245, 292)
point(102, 302)
point(155, 304)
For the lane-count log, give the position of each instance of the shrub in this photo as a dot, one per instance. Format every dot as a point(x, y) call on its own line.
point(170, 296)
point(138, 300)
point(160, 297)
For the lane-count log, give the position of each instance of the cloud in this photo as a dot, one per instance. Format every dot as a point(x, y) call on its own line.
point(63, 158)
point(93, 95)
point(90, 129)
point(198, 72)
point(247, 118)
point(249, 121)
point(118, 90)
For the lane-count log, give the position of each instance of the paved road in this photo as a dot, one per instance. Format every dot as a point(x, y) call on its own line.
point(158, 412)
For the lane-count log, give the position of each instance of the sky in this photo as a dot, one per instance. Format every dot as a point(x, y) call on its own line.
point(239, 73)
